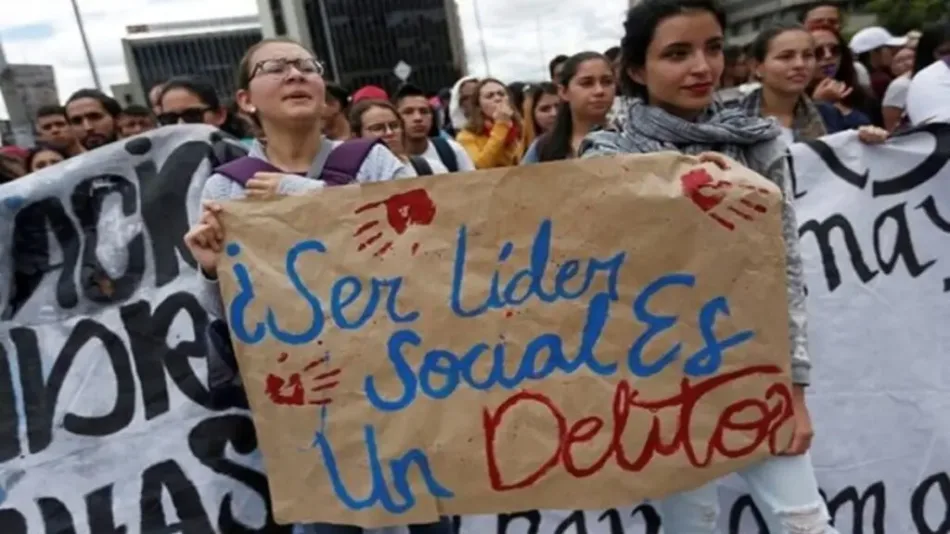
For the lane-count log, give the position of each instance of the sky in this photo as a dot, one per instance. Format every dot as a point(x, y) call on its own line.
point(520, 35)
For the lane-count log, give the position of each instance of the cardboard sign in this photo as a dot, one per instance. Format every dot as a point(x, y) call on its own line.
point(573, 335)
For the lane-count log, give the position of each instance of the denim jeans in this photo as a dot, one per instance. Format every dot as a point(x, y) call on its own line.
point(784, 489)
point(444, 526)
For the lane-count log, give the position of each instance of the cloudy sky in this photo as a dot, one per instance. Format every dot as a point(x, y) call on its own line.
point(520, 35)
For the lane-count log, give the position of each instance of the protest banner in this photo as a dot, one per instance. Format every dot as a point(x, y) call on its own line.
point(582, 333)
point(875, 227)
point(106, 425)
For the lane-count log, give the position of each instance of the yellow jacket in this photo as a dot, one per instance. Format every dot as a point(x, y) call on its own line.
point(490, 151)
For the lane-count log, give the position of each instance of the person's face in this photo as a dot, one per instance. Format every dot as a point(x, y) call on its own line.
point(45, 158)
point(382, 123)
point(591, 90)
point(91, 123)
point(789, 64)
point(683, 63)
point(331, 109)
point(54, 130)
point(286, 85)
point(490, 96)
point(740, 70)
point(130, 125)
point(545, 112)
point(827, 54)
point(417, 114)
point(903, 61)
point(181, 106)
point(942, 51)
point(824, 16)
point(467, 97)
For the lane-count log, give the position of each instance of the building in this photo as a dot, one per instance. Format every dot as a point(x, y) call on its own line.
point(210, 49)
point(25, 89)
point(746, 17)
point(362, 41)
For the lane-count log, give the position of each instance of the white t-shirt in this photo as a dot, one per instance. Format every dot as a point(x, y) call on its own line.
point(927, 97)
point(896, 94)
point(431, 155)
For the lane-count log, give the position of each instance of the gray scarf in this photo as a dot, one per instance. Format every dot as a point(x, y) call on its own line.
point(729, 131)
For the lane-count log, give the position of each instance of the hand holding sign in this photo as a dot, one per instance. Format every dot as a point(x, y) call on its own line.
point(205, 240)
point(412, 208)
point(714, 198)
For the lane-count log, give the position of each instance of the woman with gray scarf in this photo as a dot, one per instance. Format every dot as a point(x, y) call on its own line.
point(673, 56)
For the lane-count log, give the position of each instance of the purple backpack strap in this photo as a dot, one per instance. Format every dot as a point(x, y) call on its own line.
point(243, 169)
point(345, 160)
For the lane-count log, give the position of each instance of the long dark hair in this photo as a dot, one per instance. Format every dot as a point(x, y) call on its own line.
point(931, 38)
point(556, 144)
point(859, 98)
point(533, 94)
point(639, 27)
point(208, 96)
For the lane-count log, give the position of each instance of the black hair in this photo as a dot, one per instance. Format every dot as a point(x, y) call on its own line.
point(932, 36)
point(555, 145)
point(533, 94)
point(136, 110)
point(35, 151)
point(759, 48)
point(198, 87)
point(405, 91)
point(640, 25)
point(108, 103)
point(516, 90)
point(50, 110)
point(338, 93)
point(808, 8)
point(612, 53)
point(859, 98)
point(553, 64)
point(733, 53)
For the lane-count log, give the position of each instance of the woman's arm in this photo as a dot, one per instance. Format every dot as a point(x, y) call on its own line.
point(493, 151)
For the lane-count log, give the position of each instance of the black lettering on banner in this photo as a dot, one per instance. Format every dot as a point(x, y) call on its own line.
point(12, 522)
point(30, 254)
point(533, 517)
point(849, 495)
point(40, 396)
point(929, 207)
point(9, 419)
point(148, 333)
point(168, 477)
point(822, 233)
point(575, 520)
point(209, 441)
point(737, 513)
point(927, 169)
point(56, 517)
point(793, 176)
point(87, 200)
point(651, 519)
point(919, 498)
point(834, 163)
point(100, 513)
point(903, 244)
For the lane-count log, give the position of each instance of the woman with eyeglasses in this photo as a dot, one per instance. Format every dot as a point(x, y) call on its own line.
point(843, 102)
point(378, 119)
point(280, 84)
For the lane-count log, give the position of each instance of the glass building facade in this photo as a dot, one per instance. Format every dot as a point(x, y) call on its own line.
point(362, 41)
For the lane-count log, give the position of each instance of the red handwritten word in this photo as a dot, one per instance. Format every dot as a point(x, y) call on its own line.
point(291, 390)
point(412, 208)
point(768, 420)
point(711, 195)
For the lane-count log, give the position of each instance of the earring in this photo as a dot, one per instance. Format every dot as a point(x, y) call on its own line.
point(252, 110)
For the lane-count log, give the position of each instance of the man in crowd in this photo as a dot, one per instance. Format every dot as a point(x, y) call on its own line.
point(134, 120)
point(875, 48)
point(826, 14)
point(53, 129)
point(443, 155)
point(93, 116)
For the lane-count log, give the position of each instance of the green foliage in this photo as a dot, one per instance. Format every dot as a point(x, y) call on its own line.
point(901, 16)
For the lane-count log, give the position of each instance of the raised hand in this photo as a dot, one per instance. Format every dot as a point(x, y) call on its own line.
point(303, 387)
point(205, 239)
point(412, 208)
point(720, 200)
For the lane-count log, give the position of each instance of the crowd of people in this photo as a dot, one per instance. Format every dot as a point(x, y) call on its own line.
point(672, 83)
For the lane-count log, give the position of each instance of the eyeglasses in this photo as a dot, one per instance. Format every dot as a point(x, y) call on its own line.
point(827, 52)
point(280, 66)
point(383, 127)
point(188, 116)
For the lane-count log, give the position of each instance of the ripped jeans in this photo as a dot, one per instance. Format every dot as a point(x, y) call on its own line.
point(444, 526)
point(784, 489)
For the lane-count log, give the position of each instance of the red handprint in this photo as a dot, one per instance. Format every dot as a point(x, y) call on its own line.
point(292, 391)
point(712, 196)
point(412, 208)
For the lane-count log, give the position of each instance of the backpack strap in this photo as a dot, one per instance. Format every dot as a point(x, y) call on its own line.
point(344, 162)
point(446, 154)
point(421, 166)
point(243, 169)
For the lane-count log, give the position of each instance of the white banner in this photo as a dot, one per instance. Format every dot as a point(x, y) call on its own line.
point(106, 425)
point(875, 227)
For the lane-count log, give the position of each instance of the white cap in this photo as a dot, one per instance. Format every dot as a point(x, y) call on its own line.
point(873, 38)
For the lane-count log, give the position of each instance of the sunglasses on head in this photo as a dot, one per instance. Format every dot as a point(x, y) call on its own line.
point(188, 116)
point(827, 52)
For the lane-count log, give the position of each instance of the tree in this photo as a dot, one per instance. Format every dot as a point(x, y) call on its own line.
point(902, 16)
